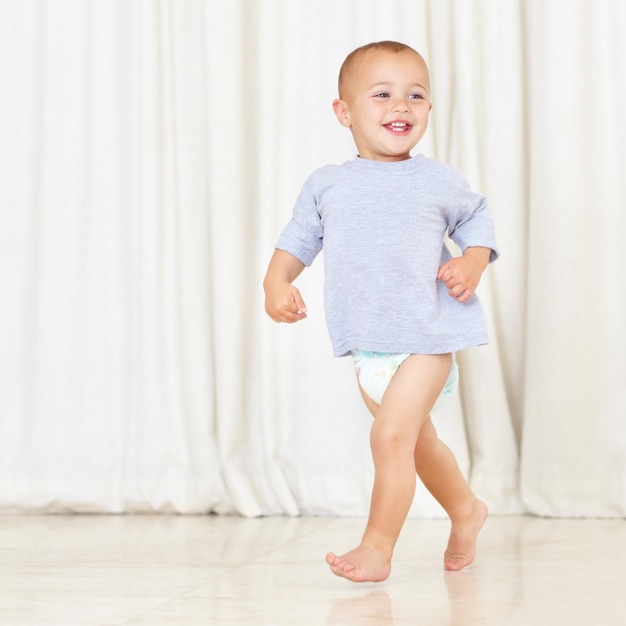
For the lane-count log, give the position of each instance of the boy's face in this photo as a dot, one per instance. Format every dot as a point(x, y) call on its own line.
point(385, 102)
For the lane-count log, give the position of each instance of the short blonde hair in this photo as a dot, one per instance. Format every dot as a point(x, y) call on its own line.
point(351, 60)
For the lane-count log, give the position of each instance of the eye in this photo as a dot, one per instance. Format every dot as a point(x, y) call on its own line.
point(416, 96)
point(382, 94)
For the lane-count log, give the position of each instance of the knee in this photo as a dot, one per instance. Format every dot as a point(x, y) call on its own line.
point(389, 438)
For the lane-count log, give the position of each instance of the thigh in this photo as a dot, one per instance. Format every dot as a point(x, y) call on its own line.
point(372, 406)
point(415, 387)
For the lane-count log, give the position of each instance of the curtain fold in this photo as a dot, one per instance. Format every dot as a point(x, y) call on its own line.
point(150, 153)
point(574, 457)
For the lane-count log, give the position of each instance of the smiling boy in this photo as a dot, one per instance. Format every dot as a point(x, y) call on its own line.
point(395, 298)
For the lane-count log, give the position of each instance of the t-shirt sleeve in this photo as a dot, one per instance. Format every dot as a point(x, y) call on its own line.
point(470, 223)
point(303, 235)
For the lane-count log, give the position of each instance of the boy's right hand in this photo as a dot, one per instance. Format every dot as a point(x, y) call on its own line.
point(283, 303)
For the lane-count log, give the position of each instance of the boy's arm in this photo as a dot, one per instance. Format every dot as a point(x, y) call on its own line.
point(461, 275)
point(283, 302)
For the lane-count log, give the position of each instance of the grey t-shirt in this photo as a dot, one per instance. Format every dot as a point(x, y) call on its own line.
point(382, 227)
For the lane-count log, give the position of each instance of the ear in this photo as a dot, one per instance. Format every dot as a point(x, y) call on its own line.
point(341, 111)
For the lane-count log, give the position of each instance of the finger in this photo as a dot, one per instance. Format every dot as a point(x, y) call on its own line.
point(283, 313)
point(299, 302)
point(466, 295)
point(457, 289)
point(452, 274)
point(454, 282)
point(291, 318)
point(443, 273)
point(448, 268)
point(291, 312)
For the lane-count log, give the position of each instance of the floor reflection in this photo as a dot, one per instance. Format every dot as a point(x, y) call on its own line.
point(375, 608)
point(371, 609)
point(465, 603)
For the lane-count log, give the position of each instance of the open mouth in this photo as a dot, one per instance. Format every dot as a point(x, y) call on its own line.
point(398, 128)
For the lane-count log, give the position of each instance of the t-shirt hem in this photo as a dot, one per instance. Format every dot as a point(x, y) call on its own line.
point(444, 347)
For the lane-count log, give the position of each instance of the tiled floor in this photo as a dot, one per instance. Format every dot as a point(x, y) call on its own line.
point(229, 571)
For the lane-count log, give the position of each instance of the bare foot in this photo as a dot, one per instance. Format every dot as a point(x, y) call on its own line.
point(462, 543)
point(363, 564)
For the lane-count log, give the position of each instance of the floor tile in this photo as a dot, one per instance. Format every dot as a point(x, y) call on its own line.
point(230, 571)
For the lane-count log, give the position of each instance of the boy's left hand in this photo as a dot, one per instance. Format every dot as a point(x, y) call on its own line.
point(461, 275)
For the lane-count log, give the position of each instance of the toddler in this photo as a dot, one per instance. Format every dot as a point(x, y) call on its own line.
point(395, 298)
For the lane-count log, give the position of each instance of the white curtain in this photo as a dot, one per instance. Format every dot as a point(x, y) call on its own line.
point(150, 153)
point(574, 431)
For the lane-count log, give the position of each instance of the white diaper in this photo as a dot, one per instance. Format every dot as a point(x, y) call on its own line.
point(375, 369)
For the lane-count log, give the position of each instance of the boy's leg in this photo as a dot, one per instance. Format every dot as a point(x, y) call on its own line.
point(406, 404)
point(438, 470)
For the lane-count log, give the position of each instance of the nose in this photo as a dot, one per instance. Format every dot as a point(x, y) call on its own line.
point(400, 105)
